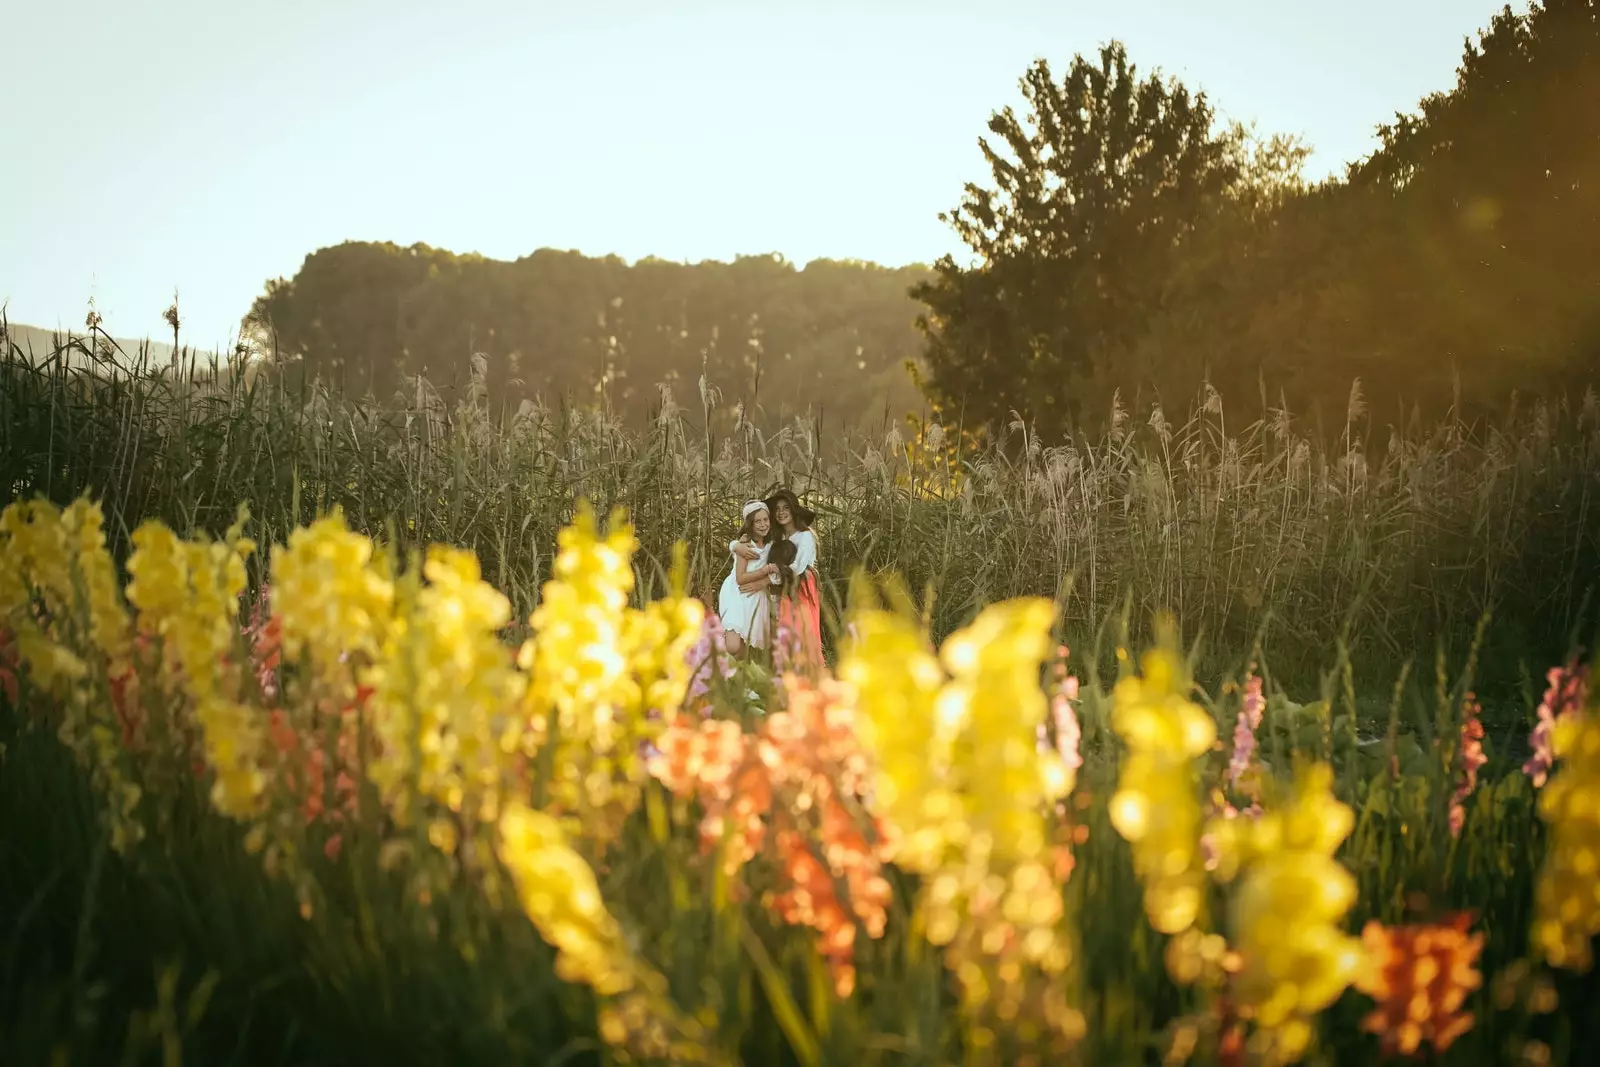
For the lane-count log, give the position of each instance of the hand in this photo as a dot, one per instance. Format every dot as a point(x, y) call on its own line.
point(747, 551)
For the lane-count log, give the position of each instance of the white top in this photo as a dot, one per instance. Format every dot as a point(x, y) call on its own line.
point(805, 554)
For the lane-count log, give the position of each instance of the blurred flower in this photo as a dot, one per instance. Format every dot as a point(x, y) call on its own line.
point(264, 635)
point(965, 787)
point(1154, 807)
point(559, 893)
point(1567, 895)
point(187, 594)
point(1470, 758)
point(602, 678)
point(58, 588)
point(897, 678)
point(1063, 720)
point(445, 695)
point(708, 658)
point(1251, 707)
point(1420, 976)
point(801, 773)
point(1286, 914)
point(1566, 694)
point(333, 597)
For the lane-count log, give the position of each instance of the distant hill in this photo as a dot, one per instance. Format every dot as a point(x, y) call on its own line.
point(38, 344)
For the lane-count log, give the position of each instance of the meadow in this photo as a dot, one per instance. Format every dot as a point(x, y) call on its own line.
point(288, 785)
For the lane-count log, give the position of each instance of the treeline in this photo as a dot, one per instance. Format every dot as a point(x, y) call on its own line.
point(832, 338)
point(1127, 243)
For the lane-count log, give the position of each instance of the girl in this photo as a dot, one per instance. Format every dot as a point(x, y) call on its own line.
point(742, 602)
point(794, 524)
point(788, 640)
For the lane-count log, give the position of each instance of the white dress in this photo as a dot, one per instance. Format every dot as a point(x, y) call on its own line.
point(745, 614)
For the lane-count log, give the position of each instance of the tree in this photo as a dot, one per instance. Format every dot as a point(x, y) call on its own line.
point(828, 341)
point(1094, 192)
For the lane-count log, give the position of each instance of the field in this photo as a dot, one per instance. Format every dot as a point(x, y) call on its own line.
point(290, 786)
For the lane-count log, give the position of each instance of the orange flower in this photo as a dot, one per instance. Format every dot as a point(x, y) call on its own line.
point(1420, 976)
point(796, 777)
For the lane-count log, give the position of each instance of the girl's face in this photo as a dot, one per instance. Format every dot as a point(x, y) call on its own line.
point(780, 511)
point(761, 523)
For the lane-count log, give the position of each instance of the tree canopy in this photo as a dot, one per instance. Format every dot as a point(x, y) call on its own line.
point(831, 339)
point(1093, 194)
point(1125, 242)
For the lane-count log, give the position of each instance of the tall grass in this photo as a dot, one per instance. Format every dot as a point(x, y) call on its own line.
point(1397, 538)
point(1355, 557)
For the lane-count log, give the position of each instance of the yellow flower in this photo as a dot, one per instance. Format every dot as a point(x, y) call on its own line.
point(897, 678)
point(558, 892)
point(1567, 896)
point(158, 574)
point(39, 556)
point(1154, 807)
point(333, 597)
point(61, 556)
point(1288, 912)
point(108, 619)
point(445, 690)
point(660, 639)
point(994, 690)
point(960, 779)
point(187, 593)
point(593, 673)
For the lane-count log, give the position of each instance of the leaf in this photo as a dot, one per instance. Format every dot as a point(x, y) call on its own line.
point(801, 1040)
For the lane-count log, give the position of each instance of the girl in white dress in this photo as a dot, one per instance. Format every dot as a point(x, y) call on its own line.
point(742, 602)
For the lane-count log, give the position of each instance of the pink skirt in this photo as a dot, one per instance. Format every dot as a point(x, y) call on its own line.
point(802, 616)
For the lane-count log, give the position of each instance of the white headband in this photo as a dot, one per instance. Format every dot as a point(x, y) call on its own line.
point(753, 507)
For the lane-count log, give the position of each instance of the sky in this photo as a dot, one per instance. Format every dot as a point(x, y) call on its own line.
point(209, 146)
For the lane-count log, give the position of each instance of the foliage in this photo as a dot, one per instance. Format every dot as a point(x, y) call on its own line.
point(762, 888)
point(1447, 269)
point(1395, 543)
point(832, 337)
point(1095, 189)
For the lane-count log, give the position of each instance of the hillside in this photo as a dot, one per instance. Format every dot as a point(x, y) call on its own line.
point(36, 343)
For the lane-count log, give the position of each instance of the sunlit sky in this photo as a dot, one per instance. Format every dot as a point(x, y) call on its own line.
point(211, 145)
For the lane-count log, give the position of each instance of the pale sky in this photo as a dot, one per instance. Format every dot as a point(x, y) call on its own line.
point(211, 145)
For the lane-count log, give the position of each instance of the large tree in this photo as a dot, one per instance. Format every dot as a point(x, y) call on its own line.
point(1093, 192)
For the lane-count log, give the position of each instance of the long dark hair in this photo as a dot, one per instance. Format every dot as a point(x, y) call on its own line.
point(782, 556)
point(801, 516)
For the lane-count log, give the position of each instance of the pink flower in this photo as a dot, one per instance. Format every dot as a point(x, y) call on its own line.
point(708, 655)
point(785, 646)
point(1471, 759)
point(264, 632)
point(1568, 690)
point(1065, 720)
point(1244, 731)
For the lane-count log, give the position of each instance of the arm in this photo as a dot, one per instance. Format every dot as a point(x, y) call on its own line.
point(743, 549)
point(756, 580)
point(805, 554)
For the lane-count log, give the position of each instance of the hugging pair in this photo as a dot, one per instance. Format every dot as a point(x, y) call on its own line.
point(773, 582)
